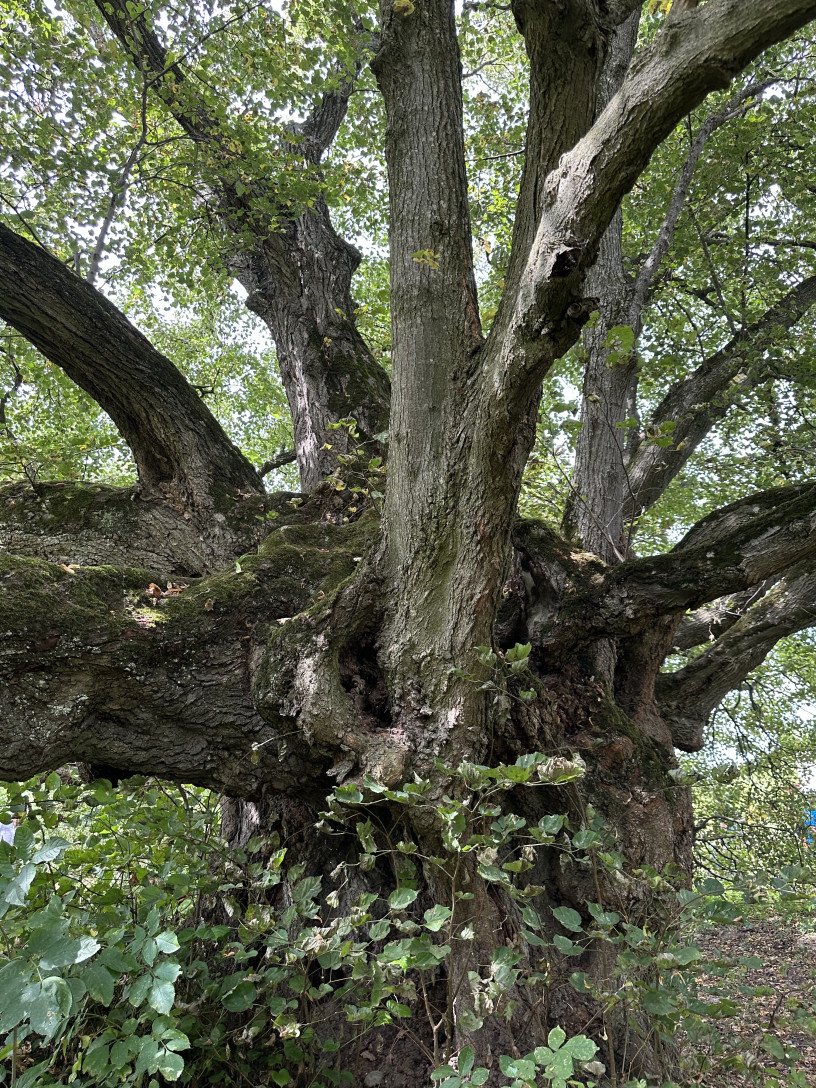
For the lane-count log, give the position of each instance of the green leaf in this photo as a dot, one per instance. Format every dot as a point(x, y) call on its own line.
point(442, 1071)
point(522, 1068)
point(96, 1062)
point(581, 1048)
point(580, 982)
point(569, 918)
point(239, 997)
point(567, 947)
point(167, 971)
point(100, 983)
point(519, 652)
point(17, 889)
point(50, 1007)
point(402, 898)
point(689, 954)
point(602, 917)
point(467, 1059)
point(139, 989)
point(148, 1058)
point(304, 894)
point(53, 849)
point(170, 1065)
point(658, 1003)
point(771, 1045)
point(50, 945)
point(15, 977)
point(175, 1040)
point(161, 996)
point(556, 1038)
point(436, 917)
point(120, 1053)
point(167, 942)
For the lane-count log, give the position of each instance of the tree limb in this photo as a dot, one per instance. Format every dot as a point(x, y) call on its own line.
point(99, 675)
point(687, 698)
point(594, 509)
point(297, 271)
point(737, 547)
point(566, 45)
point(621, 10)
point(93, 524)
point(707, 623)
point(696, 403)
point(213, 681)
point(695, 53)
point(179, 447)
point(285, 457)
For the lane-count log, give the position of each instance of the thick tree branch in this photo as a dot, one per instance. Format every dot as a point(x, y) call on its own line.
point(285, 457)
point(594, 509)
point(566, 45)
point(706, 624)
point(620, 10)
point(94, 525)
point(688, 697)
point(207, 681)
point(733, 549)
point(696, 403)
point(99, 675)
point(695, 53)
point(179, 447)
point(297, 271)
point(602, 489)
point(434, 313)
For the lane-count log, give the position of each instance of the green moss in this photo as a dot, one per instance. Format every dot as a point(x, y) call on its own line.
point(649, 756)
point(296, 568)
point(36, 596)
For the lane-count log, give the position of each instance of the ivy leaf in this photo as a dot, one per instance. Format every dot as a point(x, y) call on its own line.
point(239, 995)
point(402, 898)
point(567, 947)
point(161, 997)
point(569, 918)
point(436, 917)
point(170, 1065)
point(50, 1006)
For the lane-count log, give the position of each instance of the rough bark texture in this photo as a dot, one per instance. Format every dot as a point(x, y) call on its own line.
point(361, 649)
point(80, 524)
point(179, 447)
point(297, 272)
point(298, 281)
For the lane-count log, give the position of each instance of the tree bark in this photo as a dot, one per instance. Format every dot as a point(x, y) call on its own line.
point(378, 651)
point(180, 449)
point(296, 269)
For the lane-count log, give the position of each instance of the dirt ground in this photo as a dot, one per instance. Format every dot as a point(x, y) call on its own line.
point(774, 1001)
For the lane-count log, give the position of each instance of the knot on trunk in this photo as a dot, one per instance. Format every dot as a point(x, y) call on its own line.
point(320, 670)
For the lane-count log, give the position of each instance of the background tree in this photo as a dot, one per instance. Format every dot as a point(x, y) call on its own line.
point(371, 634)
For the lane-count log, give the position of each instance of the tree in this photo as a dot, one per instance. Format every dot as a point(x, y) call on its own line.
point(372, 635)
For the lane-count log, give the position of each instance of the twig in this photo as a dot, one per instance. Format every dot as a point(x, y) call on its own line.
point(284, 457)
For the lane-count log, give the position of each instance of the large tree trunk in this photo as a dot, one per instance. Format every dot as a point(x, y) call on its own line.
point(264, 682)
